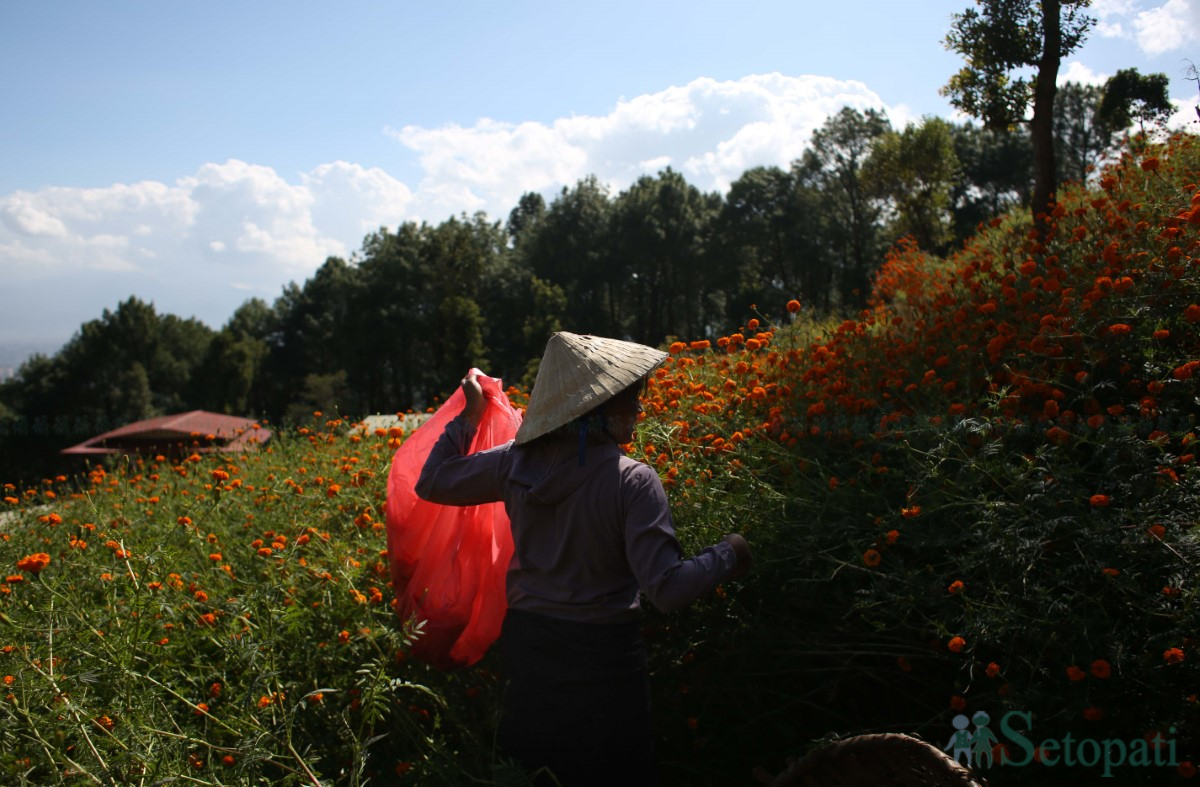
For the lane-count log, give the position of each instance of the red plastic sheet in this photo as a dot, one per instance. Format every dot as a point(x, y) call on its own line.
point(448, 562)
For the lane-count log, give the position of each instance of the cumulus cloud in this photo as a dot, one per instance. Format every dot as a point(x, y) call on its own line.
point(198, 247)
point(711, 131)
point(1078, 73)
point(204, 244)
point(1172, 26)
point(1165, 27)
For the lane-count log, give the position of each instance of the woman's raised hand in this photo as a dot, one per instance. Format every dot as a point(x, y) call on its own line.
point(476, 404)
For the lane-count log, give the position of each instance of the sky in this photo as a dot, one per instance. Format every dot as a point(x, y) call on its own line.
point(196, 155)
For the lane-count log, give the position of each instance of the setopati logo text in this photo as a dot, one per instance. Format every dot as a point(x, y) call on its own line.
point(980, 745)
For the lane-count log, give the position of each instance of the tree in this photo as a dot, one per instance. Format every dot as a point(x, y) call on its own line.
point(1082, 140)
point(525, 219)
point(766, 234)
point(1128, 96)
point(997, 170)
point(915, 171)
point(1007, 36)
point(231, 377)
point(832, 165)
point(658, 232)
point(571, 248)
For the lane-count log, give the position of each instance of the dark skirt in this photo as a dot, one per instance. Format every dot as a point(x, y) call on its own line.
point(577, 701)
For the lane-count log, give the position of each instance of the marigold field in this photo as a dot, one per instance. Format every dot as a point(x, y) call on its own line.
point(979, 494)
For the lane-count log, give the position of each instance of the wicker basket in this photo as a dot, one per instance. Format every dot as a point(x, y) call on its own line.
point(884, 760)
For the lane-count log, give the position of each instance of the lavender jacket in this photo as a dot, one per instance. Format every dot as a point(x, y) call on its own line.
point(587, 537)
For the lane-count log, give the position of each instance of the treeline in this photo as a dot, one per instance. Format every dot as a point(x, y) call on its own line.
point(396, 325)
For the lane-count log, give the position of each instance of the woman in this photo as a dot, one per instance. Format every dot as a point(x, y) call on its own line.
point(591, 530)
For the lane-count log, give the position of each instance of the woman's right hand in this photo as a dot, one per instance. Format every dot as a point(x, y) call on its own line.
point(741, 548)
point(476, 404)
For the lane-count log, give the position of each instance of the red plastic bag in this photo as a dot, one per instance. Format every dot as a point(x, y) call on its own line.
point(448, 563)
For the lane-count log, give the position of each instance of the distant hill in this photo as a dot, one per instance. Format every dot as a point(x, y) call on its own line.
point(13, 354)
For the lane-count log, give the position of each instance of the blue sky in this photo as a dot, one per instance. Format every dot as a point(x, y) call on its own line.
point(198, 154)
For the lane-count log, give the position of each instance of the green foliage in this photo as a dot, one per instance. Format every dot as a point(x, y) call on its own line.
point(915, 170)
point(1128, 96)
point(997, 43)
point(1000, 39)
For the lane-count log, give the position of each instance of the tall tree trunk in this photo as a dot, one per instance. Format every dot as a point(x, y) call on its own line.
point(1041, 127)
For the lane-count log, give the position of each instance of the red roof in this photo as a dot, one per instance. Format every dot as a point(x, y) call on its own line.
point(213, 432)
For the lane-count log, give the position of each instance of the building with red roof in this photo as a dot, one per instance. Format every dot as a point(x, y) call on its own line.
point(198, 431)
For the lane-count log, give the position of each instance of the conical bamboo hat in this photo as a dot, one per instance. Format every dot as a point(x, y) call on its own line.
point(578, 373)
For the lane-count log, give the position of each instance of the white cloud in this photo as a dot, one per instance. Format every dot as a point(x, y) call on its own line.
point(1186, 115)
point(68, 253)
point(1110, 17)
point(201, 245)
point(1173, 25)
point(714, 130)
point(1079, 73)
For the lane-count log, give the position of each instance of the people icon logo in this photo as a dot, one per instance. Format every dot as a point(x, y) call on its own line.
point(977, 745)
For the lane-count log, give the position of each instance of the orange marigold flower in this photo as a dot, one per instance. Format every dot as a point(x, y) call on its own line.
point(1111, 572)
point(911, 512)
point(993, 669)
point(1192, 313)
point(1101, 669)
point(958, 702)
point(872, 558)
point(1161, 334)
point(1099, 501)
point(1157, 531)
point(201, 709)
point(229, 760)
point(1075, 674)
point(893, 536)
point(1173, 655)
point(34, 563)
point(1093, 713)
point(793, 306)
point(956, 644)
point(1150, 164)
point(1120, 329)
point(955, 586)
